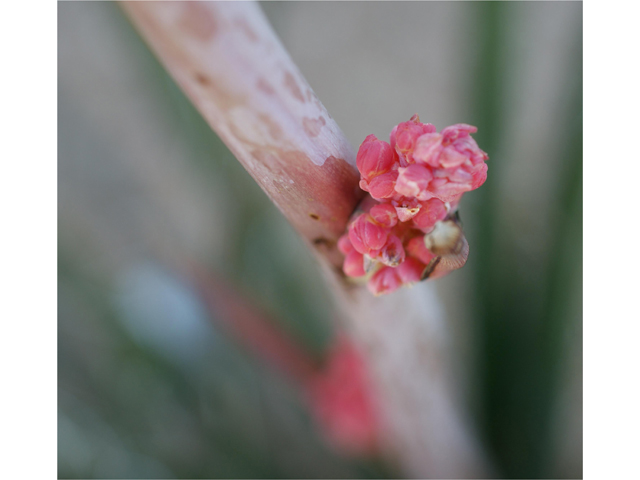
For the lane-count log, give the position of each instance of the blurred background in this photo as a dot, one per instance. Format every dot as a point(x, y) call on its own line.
point(150, 382)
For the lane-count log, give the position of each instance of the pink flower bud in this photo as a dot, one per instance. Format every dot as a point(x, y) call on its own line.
point(412, 180)
point(445, 190)
point(459, 175)
point(418, 179)
point(354, 264)
point(416, 248)
point(384, 214)
point(479, 173)
point(469, 148)
point(432, 211)
point(385, 280)
point(459, 130)
point(428, 149)
point(411, 270)
point(374, 158)
point(404, 135)
point(455, 160)
point(450, 158)
point(366, 235)
point(383, 186)
point(392, 254)
point(344, 244)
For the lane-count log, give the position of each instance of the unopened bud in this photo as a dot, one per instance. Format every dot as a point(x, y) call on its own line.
point(354, 264)
point(431, 212)
point(374, 158)
point(392, 254)
point(383, 186)
point(413, 180)
point(384, 214)
point(344, 244)
point(366, 235)
point(385, 280)
point(411, 271)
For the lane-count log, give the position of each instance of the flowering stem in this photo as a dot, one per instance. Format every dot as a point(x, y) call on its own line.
point(231, 65)
point(233, 68)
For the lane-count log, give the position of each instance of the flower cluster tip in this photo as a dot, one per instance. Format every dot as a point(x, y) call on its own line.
point(416, 181)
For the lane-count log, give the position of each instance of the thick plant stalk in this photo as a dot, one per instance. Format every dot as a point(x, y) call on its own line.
point(233, 68)
point(231, 65)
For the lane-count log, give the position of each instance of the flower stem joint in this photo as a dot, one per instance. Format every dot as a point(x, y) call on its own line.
point(407, 228)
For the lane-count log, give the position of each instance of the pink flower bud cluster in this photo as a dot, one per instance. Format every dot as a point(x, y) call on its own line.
point(417, 180)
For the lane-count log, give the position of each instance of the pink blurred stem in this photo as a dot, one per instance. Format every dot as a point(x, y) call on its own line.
point(231, 65)
point(337, 389)
point(251, 327)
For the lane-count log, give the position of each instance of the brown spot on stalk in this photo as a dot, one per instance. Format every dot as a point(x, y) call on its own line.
point(197, 21)
point(312, 126)
point(202, 79)
point(315, 217)
point(323, 242)
point(291, 85)
point(224, 98)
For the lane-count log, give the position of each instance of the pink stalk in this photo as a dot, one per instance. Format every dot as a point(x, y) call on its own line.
point(250, 327)
point(337, 389)
point(229, 62)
